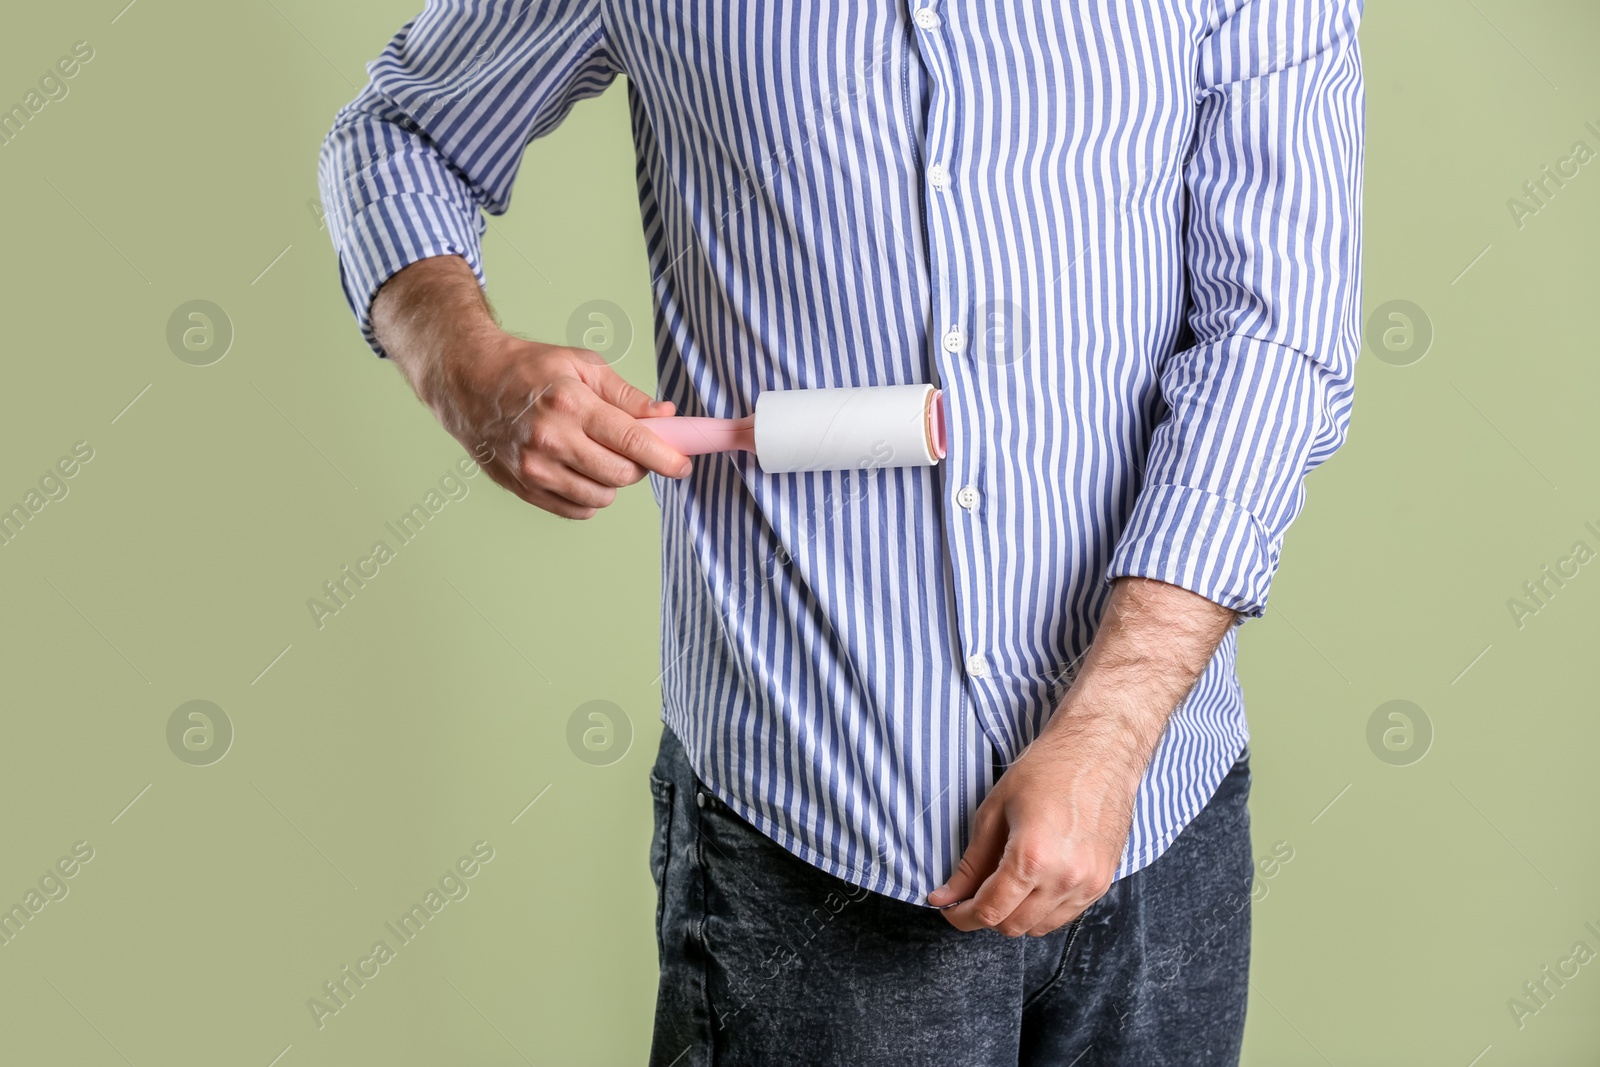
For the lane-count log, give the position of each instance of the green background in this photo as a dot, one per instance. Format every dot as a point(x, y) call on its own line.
point(426, 716)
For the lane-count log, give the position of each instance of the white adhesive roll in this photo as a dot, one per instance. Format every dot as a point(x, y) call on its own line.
point(848, 429)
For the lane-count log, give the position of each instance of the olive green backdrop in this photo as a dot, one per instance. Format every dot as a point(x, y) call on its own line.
point(1443, 850)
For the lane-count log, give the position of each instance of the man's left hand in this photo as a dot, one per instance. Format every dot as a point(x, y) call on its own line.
point(1045, 844)
point(1047, 840)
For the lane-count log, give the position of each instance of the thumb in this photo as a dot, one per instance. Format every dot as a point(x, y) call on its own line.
point(614, 390)
point(977, 863)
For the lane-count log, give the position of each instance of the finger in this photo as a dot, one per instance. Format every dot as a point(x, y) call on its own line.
point(623, 435)
point(1031, 912)
point(616, 391)
point(561, 506)
point(999, 895)
point(597, 462)
point(555, 476)
point(977, 862)
point(507, 479)
point(557, 448)
point(1061, 916)
point(540, 498)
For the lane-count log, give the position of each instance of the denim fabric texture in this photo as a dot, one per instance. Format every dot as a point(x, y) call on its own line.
point(767, 960)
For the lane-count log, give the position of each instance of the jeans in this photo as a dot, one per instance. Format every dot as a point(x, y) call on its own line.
point(766, 960)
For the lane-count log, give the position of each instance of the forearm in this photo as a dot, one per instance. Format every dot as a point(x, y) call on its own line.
point(425, 310)
point(1153, 644)
point(1047, 840)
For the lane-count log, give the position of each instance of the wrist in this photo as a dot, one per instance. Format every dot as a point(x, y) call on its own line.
point(435, 324)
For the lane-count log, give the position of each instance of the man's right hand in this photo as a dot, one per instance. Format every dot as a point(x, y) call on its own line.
point(556, 426)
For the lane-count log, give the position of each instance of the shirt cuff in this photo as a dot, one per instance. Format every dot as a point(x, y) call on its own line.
point(392, 233)
point(1198, 541)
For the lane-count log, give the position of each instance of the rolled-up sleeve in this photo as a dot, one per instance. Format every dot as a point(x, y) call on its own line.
point(437, 135)
point(1263, 394)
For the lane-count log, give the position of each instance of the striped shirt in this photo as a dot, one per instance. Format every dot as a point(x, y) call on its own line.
point(1123, 238)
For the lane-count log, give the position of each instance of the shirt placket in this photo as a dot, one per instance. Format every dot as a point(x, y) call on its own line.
point(951, 336)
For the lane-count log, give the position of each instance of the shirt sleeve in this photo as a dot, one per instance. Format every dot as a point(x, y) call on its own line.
point(439, 130)
point(1273, 234)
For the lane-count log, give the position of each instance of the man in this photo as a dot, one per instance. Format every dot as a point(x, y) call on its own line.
point(955, 769)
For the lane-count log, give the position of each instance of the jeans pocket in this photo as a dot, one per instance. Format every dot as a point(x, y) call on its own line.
point(660, 843)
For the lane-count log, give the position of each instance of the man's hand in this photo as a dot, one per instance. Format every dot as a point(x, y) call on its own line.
point(556, 426)
point(1047, 840)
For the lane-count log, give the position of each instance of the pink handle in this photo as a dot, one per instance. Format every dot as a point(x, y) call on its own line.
point(695, 436)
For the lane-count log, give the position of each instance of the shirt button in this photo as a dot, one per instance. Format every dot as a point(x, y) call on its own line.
point(953, 339)
point(926, 18)
point(938, 177)
point(976, 667)
point(967, 497)
point(699, 799)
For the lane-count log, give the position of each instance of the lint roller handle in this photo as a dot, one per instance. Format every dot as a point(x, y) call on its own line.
point(696, 436)
point(822, 429)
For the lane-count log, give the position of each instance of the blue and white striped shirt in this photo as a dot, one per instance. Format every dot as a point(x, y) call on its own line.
point(1123, 238)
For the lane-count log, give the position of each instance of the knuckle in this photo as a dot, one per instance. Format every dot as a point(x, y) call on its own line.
point(558, 398)
point(542, 437)
point(535, 470)
point(1034, 860)
point(988, 914)
point(565, 396)
point(1076, 876)
point(632, 440)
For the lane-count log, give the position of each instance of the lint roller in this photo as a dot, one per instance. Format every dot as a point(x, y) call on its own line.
point(796, 430)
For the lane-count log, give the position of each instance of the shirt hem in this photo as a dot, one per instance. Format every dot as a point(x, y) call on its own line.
point(1212, 780)
point(861, 879)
